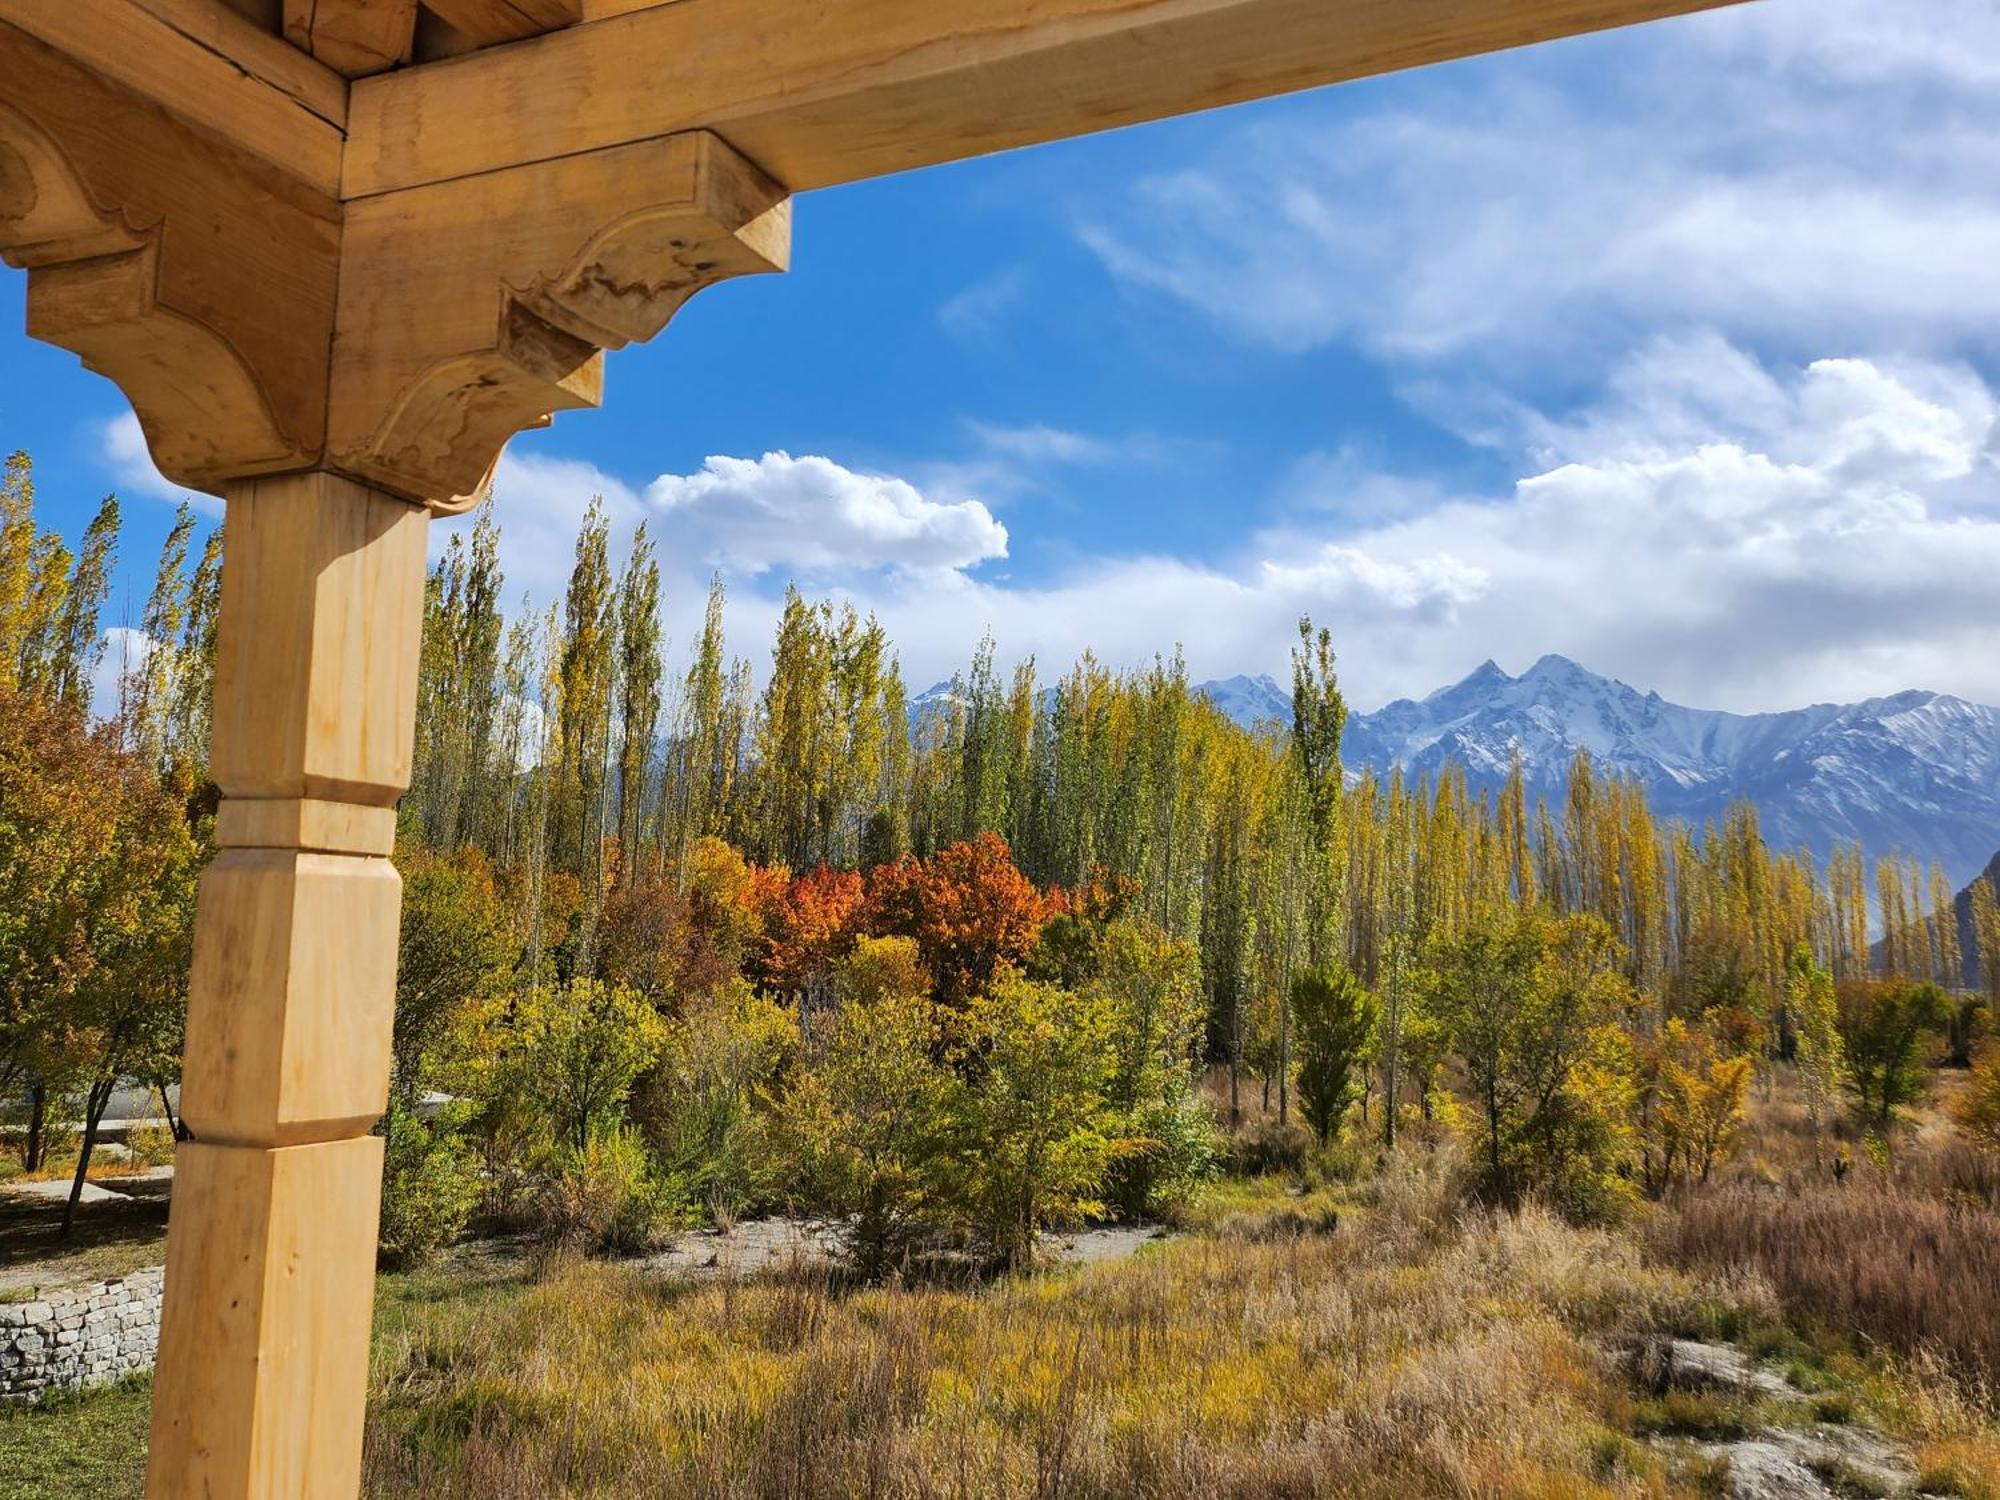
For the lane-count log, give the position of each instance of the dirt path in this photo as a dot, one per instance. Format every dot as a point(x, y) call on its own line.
point(755, 1245)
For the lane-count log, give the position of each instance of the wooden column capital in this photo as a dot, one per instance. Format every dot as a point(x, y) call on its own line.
point(260, 325)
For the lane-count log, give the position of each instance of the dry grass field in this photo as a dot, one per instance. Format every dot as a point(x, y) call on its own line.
point(1357, 1330)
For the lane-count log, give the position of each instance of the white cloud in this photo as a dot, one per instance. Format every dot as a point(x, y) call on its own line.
point(121, 448)
point(813, 516)
point(981, 307)
point(1801, 169)
point(125, 651)
point(1037, 443)
point(1732, 533)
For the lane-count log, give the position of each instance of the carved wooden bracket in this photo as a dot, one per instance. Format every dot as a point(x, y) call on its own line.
point(258, 326)
point(470, 310)
point(215, 323)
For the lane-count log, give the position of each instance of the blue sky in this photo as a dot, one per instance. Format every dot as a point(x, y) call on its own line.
point(1672, 350)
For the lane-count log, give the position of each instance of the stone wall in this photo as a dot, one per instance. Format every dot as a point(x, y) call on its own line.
point(79, 1335)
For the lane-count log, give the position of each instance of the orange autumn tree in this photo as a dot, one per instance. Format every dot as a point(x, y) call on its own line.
point(969, 909)
point(809, 924)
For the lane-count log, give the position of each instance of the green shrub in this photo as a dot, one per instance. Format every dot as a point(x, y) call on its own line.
point(1335, 1020)
point(606, 1195)
point(430, 1186)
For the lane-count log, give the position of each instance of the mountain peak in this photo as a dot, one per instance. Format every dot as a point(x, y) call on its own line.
point(1554, 665)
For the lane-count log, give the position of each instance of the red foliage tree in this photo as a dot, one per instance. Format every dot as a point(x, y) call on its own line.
point(809, 924)
point(969, 908)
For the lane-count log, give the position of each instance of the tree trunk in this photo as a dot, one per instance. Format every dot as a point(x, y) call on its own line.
point(31, 1156)
point(174, 1122)
point(93, 1116)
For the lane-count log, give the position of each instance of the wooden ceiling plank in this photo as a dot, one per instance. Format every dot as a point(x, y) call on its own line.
point(820, 94)
point(484, 23)
point(207, 64)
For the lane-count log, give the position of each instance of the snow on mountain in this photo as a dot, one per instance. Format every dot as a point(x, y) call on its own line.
point(1250, 701)
point(1917, 772)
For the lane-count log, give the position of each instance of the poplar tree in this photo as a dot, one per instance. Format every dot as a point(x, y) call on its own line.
point(81, 640)
point(639, 669)
point(146, 692)
point(585, 684)
point(1319, 718)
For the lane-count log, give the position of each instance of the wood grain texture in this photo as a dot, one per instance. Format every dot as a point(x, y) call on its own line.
point(192, 273)
point(290, 998)
point(824, 94)
point(439, 359)
point(262, 1377)
point(316, 654)
point(304, 823)
point(252, 45)
point(262, 1371)
point(482, 23)
point(204, 63)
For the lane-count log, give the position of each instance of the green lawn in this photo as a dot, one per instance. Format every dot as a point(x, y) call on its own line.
point(74, 1447)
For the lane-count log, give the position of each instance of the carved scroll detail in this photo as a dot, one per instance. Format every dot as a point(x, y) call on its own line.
point(471, 310)
point(198, 279)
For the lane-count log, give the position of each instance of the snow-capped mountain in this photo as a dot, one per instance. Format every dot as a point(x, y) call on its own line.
point(1250, 701)
point(1916, 771)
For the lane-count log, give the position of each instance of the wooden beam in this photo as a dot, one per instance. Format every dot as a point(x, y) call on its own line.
point(205, 63)
point(820, 94)
point(472, 309)
point(483, 23)
point(353, 37)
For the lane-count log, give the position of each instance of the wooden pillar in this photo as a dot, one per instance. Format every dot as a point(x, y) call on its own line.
point(262, 1376)
point(368, 359)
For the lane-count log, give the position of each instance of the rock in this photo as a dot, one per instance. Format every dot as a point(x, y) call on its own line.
point(1762, 1469)
point(1693, 1363)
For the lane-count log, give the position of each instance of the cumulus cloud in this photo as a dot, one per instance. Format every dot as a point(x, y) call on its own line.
point(1786, 169)
point(811, 515)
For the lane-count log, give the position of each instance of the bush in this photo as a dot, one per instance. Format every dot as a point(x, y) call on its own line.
point(605, 1195)
point(430, 1186)
point(1265, 1147)
point(1883, 1024)
point(1978, 1108)
point(1038, 1121)
point(1152, 985)
point(872, 1129)
point(699, 1108)
point(1335, 1018)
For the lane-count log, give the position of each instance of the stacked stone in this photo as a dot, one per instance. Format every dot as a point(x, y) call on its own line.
point(83, 1335)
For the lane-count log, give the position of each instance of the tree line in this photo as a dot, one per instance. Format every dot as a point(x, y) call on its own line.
point(677, 929)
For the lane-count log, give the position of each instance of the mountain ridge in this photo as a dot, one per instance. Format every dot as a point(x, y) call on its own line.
point(1914, 771)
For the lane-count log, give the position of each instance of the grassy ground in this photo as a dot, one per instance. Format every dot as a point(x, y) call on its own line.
point(1352, 1341)
point(92, 1445)
point(1357, 1331)
point(109, 1238)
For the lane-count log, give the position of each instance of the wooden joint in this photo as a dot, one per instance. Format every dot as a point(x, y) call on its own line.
point(197, 277)
point(472, 309)
point(353, 37)
point(305, 823)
